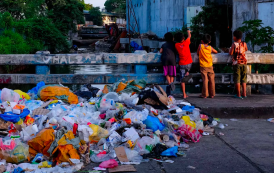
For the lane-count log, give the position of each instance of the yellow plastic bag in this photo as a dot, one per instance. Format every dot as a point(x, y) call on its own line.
point(188, 121)
point(22, 94)
point(98, 133)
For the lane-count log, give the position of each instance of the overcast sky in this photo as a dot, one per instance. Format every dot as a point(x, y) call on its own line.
point(96, 3)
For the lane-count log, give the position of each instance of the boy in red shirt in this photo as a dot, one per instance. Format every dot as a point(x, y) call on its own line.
point(185, 62)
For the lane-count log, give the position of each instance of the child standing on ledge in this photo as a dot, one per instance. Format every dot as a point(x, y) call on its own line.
point(206, 67)
point(182, 47)
point(239, 63)
point(168, 52)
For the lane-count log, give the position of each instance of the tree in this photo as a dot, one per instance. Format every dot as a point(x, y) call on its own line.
point(45, 30)
point(66, 16)
point(86, 6)
point(212, 18)
point(96, 16)
point(117, 6)
point(14, 43)
point(258, 35)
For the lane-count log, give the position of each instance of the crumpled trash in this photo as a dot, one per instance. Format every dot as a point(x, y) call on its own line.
point(170, 152)
point(109, 164)
point(154, 124)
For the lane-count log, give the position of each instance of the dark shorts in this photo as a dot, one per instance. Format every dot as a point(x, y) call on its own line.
point(184, 69)
point(240, 73)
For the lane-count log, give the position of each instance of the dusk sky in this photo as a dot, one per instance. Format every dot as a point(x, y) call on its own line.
point(96, 3)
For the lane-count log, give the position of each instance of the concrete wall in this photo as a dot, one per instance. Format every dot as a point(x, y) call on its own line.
point(160, 16)
point(244, 10)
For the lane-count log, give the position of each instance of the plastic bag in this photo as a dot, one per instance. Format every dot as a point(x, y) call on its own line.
point(29, 132)
point(133, 155)
point(101, 158)
point(22, 94)
point(195, 116)
point(9, 95)
point(109, 164)
point(188, 132)
point(153, 123)
point(9, 116)
point(188, 121)
point(137, 117)
point(171, 100)
point(112, 96)
point(98, 133)
point(84, 132)
point(19, 154)
point(170, 152)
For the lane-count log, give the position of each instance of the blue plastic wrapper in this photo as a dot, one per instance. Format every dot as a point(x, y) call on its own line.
point(153, 123)
point(188, 108)
point(36, 89)
point(170, 152)
point(9, 116)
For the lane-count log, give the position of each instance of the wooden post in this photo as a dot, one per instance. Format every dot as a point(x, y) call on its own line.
point(42, 69)
point(257, 72)
point(248, 87)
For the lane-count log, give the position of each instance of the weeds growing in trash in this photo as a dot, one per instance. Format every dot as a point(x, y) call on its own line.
point(61, 131)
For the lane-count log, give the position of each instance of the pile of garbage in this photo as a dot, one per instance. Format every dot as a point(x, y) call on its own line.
point(52, 129)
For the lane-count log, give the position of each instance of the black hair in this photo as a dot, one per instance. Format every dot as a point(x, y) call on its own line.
point(238, 34)
point(169, 37)
point(206, 38)
point(179, 37)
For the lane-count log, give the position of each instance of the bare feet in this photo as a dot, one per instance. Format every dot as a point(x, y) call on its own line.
point(185, 96)
point(212, 97)
point(202, 97)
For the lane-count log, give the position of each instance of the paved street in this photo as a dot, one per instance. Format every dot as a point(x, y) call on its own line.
point(246, 147)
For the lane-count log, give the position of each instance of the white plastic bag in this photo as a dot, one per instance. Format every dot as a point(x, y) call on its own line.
point(84, 132)
point(29, 132)
point(9, 95)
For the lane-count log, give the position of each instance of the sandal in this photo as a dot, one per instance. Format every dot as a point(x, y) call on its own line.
point(186, 78)
point(237, 97)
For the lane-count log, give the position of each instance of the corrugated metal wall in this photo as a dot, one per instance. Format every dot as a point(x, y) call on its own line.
point(161, 16)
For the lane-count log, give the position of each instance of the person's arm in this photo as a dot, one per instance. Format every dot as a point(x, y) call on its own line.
point(213, 50)
point(199, 48)
point(161, 50)
point(246, 48)
point(231, 52)
point(189, 34)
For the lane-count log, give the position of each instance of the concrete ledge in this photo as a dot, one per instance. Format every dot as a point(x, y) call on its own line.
point(225, 106)
point(152, 78)
point(118, 58)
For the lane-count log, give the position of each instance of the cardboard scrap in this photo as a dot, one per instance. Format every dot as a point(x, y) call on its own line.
point(121, 154)
point(41, 110)
point(123, 168)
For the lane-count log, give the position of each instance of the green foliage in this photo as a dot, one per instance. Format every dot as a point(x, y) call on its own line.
point(43, 29)
point(96, 16)
point(14, 43)
point(117, 6)
point(212, 18)
point(258, 35)
point(6, 20)
point(66, 16)
point(86, 6)
point(48, 21)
